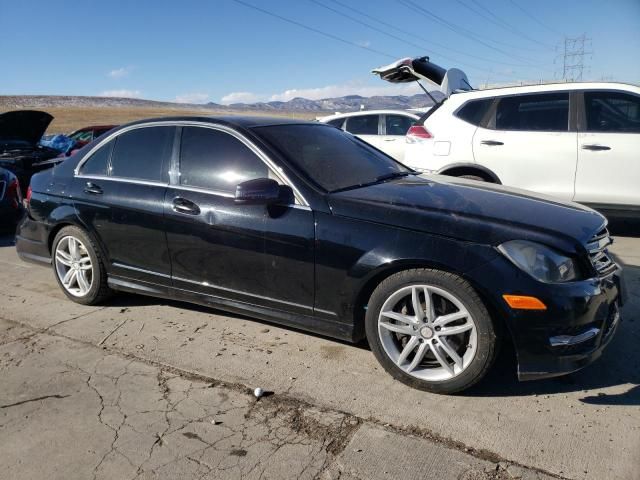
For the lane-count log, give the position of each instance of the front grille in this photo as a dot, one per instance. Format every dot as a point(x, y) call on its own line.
point(598, 253)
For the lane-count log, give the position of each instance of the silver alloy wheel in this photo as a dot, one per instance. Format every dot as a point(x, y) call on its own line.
point(73, 266)
point(427, 332)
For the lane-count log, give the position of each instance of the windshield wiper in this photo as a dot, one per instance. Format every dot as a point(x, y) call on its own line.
point(379, 179)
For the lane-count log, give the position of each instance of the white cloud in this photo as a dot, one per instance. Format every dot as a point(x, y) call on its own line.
point(364, 43)
point(242, 97)
point(120, 72)
point(193, 97)
point(121, 93)
point(328, 91)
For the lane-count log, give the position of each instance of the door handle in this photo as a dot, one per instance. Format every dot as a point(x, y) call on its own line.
point(92, 188)
point(491, 143)
point(595, 148)
point(182, 205)
point(389, 139)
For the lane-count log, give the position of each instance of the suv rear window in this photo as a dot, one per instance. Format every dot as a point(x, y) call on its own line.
point(612, 112)
point(543, 112)
point(474, 111)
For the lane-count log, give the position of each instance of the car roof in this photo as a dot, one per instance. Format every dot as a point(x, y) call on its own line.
point(228, 120)
point(368, 112)
point(541, 88)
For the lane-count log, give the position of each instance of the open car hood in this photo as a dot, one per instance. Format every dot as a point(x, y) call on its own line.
point(414, 69)
point(24, 125)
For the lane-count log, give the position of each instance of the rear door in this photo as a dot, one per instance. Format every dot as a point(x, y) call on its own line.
point(609, 150)
point(527, 141)
point(119, 193)
point(395, 128)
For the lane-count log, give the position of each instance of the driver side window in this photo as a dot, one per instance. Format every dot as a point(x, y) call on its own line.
point(215, 160)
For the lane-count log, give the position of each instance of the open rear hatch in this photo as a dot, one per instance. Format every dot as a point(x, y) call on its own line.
point(416, 69)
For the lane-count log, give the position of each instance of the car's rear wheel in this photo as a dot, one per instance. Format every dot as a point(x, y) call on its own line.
point(430, 330)
point(78, 267)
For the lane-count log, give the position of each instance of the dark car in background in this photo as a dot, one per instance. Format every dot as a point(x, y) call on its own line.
point(306, 225)
point(20, 152)
point(10, 201)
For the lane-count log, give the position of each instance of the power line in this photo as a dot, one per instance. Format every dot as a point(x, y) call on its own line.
point(391, 35)
point(404, 30)
point(535, 19)
point(487, 14)
point(315, 30)
point(458, 29)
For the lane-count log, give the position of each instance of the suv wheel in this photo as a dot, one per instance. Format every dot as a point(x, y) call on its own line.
point(78, 267)
point(430, 330)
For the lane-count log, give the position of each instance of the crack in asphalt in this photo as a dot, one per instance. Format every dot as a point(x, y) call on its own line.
point(37, 399)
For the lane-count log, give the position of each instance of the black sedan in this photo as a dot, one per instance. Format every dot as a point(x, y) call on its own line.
point(305, 225)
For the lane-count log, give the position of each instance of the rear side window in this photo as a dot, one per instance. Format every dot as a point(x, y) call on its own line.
point(546, 112)
point(474, 111)
point(215, 160)
point(612, 112)
point(143, 154)
point(363, 125)
point(397, 124)
point(98, 162)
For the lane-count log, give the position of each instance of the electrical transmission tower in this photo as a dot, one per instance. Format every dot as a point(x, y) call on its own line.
point(573, 65)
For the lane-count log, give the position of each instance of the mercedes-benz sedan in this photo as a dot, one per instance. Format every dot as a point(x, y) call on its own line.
point(305, 225)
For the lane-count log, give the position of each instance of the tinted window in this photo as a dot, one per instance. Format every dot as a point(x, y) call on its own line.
point(337, 122)
point(98, 162)
point(397, 124)
point(474, 111)
point(612, 112)
point(215, 160)
point(363, 125)
point(541, 112)
point(328, 157)
point(144, 154)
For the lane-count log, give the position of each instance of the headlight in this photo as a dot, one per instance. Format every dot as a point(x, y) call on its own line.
point(539, 261)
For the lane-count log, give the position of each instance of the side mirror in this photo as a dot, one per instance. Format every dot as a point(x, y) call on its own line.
point(258, 191)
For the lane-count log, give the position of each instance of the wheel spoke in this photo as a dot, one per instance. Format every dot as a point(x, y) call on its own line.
point(398, 328)
point(451, 352)
point(418, 357)
point(417, 306)
point(451, 317)
point(465, 327)
point(409, 347)
point(83, 283)
point(429, 308)
point(399, 317)
point(73, 248)
point(441, 360)
point(69, 277)
point(63, 259)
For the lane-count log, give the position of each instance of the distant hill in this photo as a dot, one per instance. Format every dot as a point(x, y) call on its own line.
point(348, 103)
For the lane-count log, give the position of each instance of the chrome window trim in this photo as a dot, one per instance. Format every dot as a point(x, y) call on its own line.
point(123, 179)
point(277, 171)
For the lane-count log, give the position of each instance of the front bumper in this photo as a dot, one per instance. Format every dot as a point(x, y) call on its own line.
point(580, 321)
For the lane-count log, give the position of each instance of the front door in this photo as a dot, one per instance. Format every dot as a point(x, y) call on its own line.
point(609, 151)
point(247, 254)
point(366, 127)
point(395, 129)
point(528, 143)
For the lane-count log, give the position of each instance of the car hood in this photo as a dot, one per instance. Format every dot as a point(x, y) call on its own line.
point(469, 210)
point(24, 125)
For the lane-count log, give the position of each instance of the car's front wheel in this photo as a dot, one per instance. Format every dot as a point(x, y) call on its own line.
point(78, 267)
point(430, 330)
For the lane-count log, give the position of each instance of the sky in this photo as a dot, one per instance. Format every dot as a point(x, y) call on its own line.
point(226, 51)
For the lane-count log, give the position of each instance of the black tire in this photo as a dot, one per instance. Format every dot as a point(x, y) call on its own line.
point(474, 177)
point(487, 336)
point(99, 290)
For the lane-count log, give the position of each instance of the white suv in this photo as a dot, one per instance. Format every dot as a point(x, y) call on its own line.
point(576, 141)
point(384, 129)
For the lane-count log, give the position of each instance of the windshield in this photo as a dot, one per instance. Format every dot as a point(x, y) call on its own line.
point(330, 158)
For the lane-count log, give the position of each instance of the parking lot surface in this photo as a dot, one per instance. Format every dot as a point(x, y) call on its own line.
point(153, 389)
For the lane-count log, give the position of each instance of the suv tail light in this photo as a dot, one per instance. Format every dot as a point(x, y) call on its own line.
point(27, 199)
point(418, 133)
